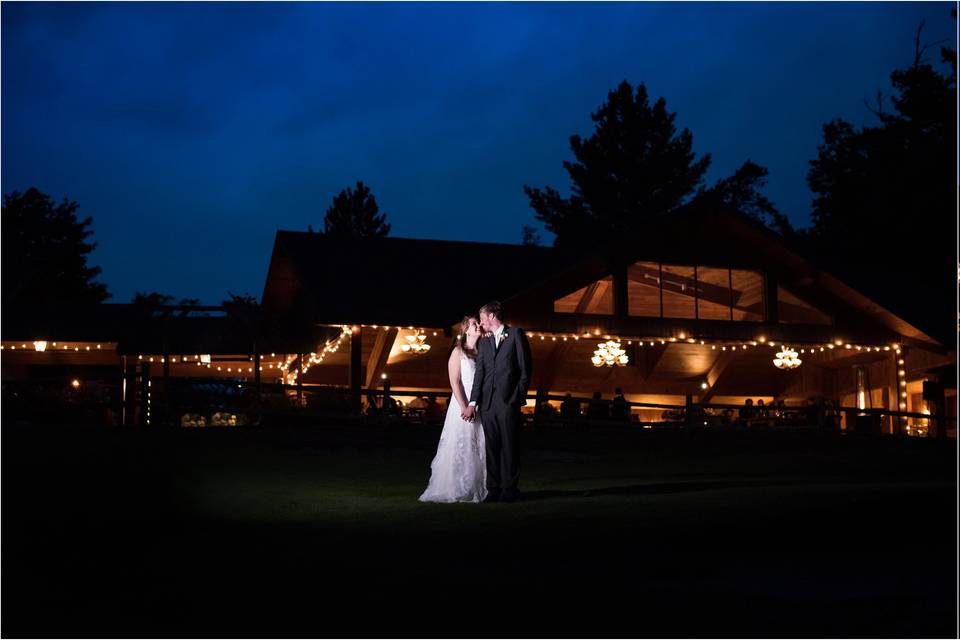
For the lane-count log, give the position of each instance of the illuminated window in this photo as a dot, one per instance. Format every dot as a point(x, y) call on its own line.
point(643, 289)
point(747, 295)
point(713, 298)
point(793, 310)
point(709, 293)
point(595, 298)
point(679, 292)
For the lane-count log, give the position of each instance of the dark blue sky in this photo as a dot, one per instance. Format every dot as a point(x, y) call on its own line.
point(192, 132)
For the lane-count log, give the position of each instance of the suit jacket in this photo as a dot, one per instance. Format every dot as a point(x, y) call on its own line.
point(502, 372)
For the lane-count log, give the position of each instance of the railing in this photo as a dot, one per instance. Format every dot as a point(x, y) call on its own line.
point(274, 403)
point(822, 415)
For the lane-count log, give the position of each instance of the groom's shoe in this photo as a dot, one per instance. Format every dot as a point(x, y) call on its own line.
point(492, 496)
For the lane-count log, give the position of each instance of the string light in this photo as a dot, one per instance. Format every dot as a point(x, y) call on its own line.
point(316, 356)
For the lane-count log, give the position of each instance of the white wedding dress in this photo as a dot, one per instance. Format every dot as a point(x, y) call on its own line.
point(458, 472)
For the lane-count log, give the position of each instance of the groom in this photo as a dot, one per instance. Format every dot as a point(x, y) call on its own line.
point(500, 386)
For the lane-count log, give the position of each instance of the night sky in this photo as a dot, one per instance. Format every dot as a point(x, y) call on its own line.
point(192, 132)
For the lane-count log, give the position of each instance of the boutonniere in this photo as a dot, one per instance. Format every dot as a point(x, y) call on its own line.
point(505, 334)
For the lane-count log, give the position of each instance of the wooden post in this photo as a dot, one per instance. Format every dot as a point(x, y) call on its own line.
point(730, 289)
point(356, 360)
point(660, 285)
point(771, 305)
point(383, 401)
point(940, 415)
point(166, 382)
point(256, 367)
point(620, 294)
point(145, 394)
point(299, 362)
point(129, 392)
point(688, 413)
point(901, 421)
point(696, 293)
point(887, 424)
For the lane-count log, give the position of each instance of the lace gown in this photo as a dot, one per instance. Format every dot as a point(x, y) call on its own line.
point(458, 472)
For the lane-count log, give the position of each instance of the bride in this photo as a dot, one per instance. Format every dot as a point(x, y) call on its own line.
point(458, 472)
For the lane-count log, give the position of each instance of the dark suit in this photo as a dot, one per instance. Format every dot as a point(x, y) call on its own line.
point(500, 386)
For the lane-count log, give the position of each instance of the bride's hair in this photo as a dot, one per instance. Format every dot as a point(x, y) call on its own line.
point(461, 338)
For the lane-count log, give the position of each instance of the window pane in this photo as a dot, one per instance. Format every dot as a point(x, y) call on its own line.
point(714, 293)
point(679, 290)
point(643, 289)
point(596, 298)
point(747, 295)
point(794, 310)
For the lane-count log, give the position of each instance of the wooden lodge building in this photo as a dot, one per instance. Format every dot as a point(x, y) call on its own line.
point(701, 309)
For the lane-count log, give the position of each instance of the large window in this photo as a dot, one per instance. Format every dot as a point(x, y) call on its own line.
point(679, 288)
point(708, 293)
point(793, 310)
point(595, 298)
point(643, 289)
point(714, 299)
point(747, 289)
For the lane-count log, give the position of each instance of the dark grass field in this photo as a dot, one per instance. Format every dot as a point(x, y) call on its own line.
point(317, 532)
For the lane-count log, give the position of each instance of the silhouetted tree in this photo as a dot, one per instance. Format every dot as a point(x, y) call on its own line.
point(530, 237)
point(355, 213)
point(633, 167)
point(148, 304)
point(45, 251)
point(884, 213)
point(152, 299)
point(636, 167)
point(188, 302)
point(245, 313)
point(244, 305)
point(741, 191)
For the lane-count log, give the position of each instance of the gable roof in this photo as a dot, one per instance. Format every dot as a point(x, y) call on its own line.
point(406, 281)
point(881, 302)
point(399, 281)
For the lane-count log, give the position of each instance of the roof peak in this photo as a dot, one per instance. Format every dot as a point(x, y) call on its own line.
point(340, 238)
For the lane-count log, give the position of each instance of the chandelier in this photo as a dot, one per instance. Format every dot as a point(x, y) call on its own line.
point(416, 343)
point(609, 353)
point(787, 359)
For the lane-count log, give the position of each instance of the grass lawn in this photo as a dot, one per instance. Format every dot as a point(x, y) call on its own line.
point(318, 532)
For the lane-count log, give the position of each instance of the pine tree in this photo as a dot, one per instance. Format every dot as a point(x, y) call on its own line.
point(355, 213)
point(45, 251)
point(634, 167)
